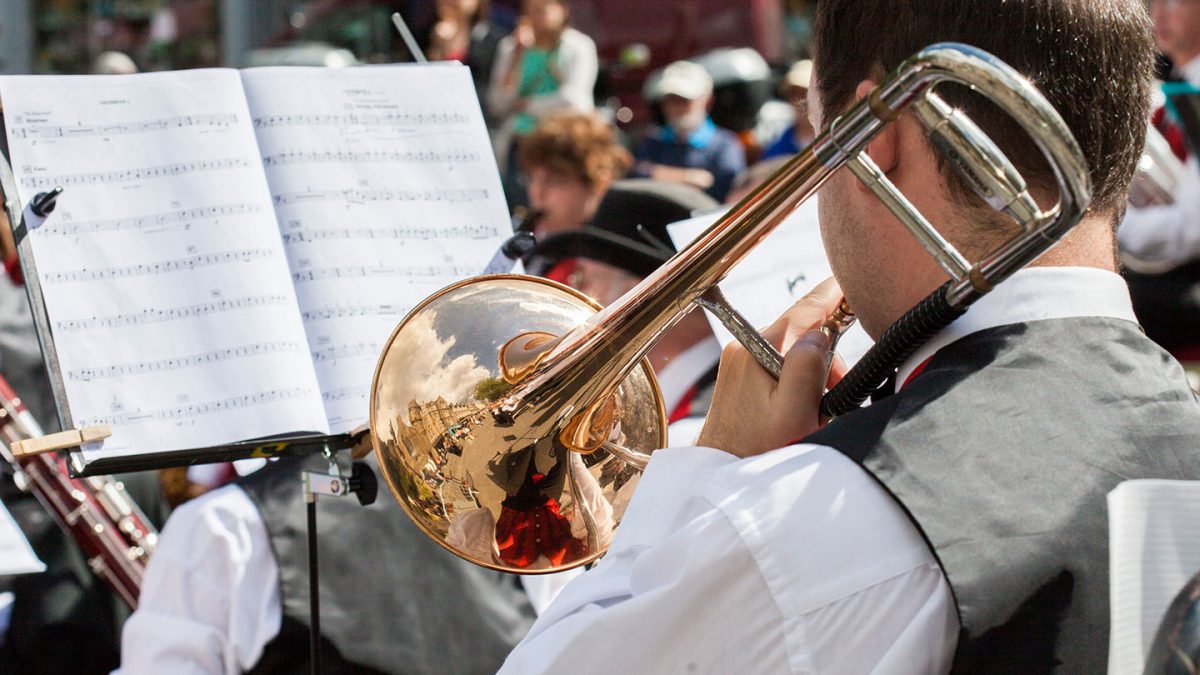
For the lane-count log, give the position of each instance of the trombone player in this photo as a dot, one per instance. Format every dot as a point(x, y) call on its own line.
point(958, 522)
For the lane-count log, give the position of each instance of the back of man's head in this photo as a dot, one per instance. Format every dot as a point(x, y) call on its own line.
point(1092, 59)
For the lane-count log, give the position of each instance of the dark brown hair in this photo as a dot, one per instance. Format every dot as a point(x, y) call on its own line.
point(1092, 59)
point(580, 145)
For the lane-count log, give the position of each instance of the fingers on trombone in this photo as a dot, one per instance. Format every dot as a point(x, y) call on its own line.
point(807, 313)
point(803, 378)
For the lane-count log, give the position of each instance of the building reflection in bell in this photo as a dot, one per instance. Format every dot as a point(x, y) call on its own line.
point(503, 490)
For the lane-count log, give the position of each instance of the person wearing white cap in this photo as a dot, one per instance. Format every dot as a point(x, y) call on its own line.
point(689, 148)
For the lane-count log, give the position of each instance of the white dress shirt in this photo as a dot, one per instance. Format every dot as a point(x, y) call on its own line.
point(792, 561)
point(210, 599)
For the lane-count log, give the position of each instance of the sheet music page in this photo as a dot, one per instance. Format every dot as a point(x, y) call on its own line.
point(386, 190)
point(16, 555)
point(775, 274)
point(168, 289)
point(1153, 552)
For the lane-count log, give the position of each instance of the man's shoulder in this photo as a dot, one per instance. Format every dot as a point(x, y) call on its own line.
point(224, 519)
point(657, 139)
point(225, 509)
point(1090, 374)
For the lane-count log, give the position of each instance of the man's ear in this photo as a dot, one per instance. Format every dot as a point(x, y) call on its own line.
point(884, 148)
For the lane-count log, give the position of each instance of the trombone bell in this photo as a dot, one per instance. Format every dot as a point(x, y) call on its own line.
point(515, 494)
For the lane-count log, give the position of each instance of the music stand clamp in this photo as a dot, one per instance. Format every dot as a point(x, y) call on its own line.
point(82, 438)
point(364, 485)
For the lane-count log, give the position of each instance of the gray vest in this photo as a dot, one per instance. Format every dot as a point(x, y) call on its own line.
point(1002, 452)
point(392, 600)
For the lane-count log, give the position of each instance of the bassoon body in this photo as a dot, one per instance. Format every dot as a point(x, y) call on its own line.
point(115, 536)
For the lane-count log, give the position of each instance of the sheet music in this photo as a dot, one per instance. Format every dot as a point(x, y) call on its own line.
point(386, 190)
point(16, 555)
point(779, 271)
point(1153, 552)
point(167, 284)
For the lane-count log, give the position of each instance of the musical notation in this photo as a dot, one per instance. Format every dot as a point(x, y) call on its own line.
point(399, 232)
point(180, 362)
point(133, 127)
point(360, 272)
point(343, 393)
point(363, 196)
point(352, 311)
point(129, 175)
point(167, 285)
point(199, 409)
point(371, 349)
point(368, 156)
point(360, 119)
point(161, 267)
point(165, 221)
point(149, 316)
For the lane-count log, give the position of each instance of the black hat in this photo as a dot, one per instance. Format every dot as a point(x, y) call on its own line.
point(629, 228)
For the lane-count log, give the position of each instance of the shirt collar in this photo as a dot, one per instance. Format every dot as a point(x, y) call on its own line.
point(682, 371)
point(1191, 72)
point(1034, 294)
point(699, 138)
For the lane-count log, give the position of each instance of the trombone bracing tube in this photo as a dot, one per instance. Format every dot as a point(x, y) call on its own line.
point(576, 367)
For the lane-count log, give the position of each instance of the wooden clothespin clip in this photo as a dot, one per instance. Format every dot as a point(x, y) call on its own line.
point(62, 440)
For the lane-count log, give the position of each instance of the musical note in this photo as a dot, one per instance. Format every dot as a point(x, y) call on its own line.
point(793, 280)
point(343, 393)
point(355, 196)
point(370, 349)
point(186, 361)
point(161, 267)
point(148, 316)
point(351, 157)
point(168, 220)
point(352, 311)
point(163, 270)
point(358, 119)
point(200, 409)
point(398, 233)
point(380, 197)
point(359, 272)
point(130, 175)
point(132, 127)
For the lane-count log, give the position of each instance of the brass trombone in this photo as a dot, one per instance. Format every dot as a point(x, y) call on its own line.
point(511, 416)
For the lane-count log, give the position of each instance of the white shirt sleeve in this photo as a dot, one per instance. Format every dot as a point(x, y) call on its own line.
point(210, 598)
point(1169, 235)
point(794, 561)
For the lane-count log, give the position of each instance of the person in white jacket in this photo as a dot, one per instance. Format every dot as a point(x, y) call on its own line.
point(545, 66)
